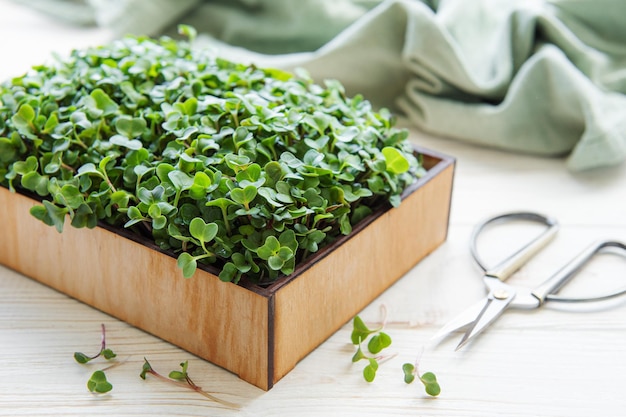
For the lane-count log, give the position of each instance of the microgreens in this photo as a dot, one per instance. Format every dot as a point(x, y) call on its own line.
point(98, 382)
point(249, 169)
point(429, 379)
point(181, 378)
point(104, 351)
point(378, 340)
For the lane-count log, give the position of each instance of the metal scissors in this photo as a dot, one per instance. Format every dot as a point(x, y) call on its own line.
point(502, 296)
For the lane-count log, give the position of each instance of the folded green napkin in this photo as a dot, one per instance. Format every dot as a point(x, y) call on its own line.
point(532, 76)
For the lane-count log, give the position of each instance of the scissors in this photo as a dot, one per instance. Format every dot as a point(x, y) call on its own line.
point(502, 296)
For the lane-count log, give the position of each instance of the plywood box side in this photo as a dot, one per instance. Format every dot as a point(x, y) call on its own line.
point(338, 286)
point(218, 321)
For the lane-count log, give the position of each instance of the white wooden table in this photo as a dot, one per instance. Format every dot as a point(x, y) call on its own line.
point(557, 361)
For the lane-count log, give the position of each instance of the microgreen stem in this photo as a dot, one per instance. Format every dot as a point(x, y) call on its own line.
point(428, 379)
point(235, 115)
point(177, 197)
point(226, 222)
point(187, 384)
point(115, 364)
point(383, 313)
point(385, 358)
point(207, 253)
point(108, 181)
point(107, 353)
point(79, 142)
point(67, 167)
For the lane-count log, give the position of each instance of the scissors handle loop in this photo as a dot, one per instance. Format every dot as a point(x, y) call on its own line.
point(547, 290)
point(507, 267)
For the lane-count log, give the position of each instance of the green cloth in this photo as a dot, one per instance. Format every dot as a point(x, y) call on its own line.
point(532, 76)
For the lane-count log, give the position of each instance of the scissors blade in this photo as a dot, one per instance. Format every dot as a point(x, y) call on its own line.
point(497, 301)
point(464, 319)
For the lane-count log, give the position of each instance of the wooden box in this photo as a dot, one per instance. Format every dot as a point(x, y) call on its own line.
point(258, 333)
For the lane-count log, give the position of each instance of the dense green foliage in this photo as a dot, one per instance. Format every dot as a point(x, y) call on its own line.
point(251, 169)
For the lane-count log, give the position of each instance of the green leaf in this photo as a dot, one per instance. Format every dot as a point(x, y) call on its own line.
point(180, 180)
point(177, 375)
point(89, 168)
point(269, 248)
point(395, 160)
point(130, 127)
point(121, 198)
point(222, 203)
point(348, 134)
point(8, 151)
point(409, 372)
point(270, 196)
point(369, 372)
point(24, 118)
point(236, 162)
point(108, 354)
point(81, 357)
point(289, 266)
point(34, 182)
point(243, 196)
point(24, 167)
point(379, 342)
point(98, 383)
point(159, 222)
point(274, 171)
point(285, 253)
point(251, 176)
point(358, 355)
point(201, 183)
point(275, 262)
point(229, 272)
point(187, 263)
point(26, 112)
point(102, 102)
point(71, 196)
point(344, 224)
point(288, 239)
point(360, 331)
point(103, 164)
point(145, 369)
point(123, 141)
point(55, 214)
point(180, 375)
point(84, 216)
point(430, 384)
point(163, 170)
point(154, 210)
point(188, 31)
point(202, 231)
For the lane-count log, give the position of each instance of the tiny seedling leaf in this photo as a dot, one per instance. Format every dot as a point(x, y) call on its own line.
point(188, 264)
point(409, 372)
point(81, 357)
point(369, 372)
point(108, 354)
point(360, 331)
point(395, 160)
point(379, 342)
point(98, 383)
point(430, 384)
